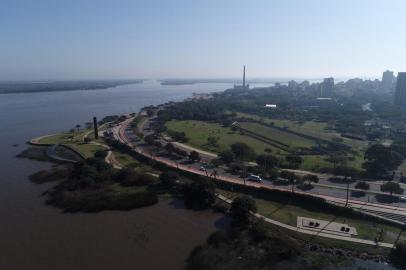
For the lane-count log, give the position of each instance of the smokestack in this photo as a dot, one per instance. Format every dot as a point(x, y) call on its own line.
point(96, 130)
point(243, 78)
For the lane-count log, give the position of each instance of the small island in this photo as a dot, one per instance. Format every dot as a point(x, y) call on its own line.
point(54, 86)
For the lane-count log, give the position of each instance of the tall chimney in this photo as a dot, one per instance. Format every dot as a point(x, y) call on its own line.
point(96, 130)
point(243, 78)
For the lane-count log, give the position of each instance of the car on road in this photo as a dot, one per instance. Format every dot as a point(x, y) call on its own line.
point(254, 178)
point(402, 198)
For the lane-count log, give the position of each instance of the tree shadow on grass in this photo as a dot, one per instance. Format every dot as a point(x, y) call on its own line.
point(383, 198)
point(358, 194)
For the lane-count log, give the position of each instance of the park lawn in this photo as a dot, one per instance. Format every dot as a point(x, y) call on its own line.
point(288, 214)
point(310, 128)
point(126, 160)
point(198, 132)
point(66, 137)
point(58, 138)
point(314, 162)
point(87, 150)
point(292, 140)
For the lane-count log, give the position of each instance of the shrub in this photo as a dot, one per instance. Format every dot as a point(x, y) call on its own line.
point(199, 194)
point(169, 178)
point(240, 210)
point(398, 255)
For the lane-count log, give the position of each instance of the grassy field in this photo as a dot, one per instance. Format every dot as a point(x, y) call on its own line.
point(311, 128)
point(58, 138)
point(277, 135)
point(198, 132)
point(87, 150)
point(75, 141)
point(288, 214)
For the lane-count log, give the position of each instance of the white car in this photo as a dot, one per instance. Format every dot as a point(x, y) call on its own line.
point(402, 198)
point(254, 178)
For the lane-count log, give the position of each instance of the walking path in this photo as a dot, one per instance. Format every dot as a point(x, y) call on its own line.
point(312, 232)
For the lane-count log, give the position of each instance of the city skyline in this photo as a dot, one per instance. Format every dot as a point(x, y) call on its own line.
point(45, 40)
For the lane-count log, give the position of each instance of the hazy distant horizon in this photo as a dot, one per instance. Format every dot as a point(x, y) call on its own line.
point(77, 40)
point(254, 79)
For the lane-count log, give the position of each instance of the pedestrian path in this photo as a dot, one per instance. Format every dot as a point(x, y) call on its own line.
point(321, 232)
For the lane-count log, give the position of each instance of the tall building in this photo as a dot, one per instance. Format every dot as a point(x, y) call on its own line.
point(327, 87)
point(400, 92)
point(387, 79)
point(292, 85)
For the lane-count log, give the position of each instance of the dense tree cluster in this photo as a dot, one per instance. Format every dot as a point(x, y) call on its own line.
point(199, 194)
point(381, 159)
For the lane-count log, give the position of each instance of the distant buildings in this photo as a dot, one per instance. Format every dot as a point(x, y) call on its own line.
point(387, 80)
point(327, 87)
point(400, 92)
point(292, 85)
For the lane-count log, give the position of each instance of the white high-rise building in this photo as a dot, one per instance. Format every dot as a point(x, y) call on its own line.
point(327, 87)
point(387, 79)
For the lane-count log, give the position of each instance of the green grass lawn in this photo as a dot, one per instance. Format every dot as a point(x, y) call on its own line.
point(198, 132)
point(86, 150)
point(288, 214)
point(313, 162)
point(75, 141)
point(58, 138)
point(311, 128)
point(277, 135)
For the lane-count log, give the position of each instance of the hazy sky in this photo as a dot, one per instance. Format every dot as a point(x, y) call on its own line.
point(84, 39)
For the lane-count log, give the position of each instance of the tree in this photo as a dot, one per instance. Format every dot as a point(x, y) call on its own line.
point(168, 179)
point(242, 151)
point(78, 127)
point(267, 162)
point(149, 139)
point(294, 160)
point(72, 130)
point(362, 185)
point(336, 159)
point(391, 187)
point(194, 156)
point(87, 140)
point(170, 148)
point(227, 156)
point(311, 178)
point(290, 176)
point(240, 210)
point(380, 159)
point(129, 177)
point(398, 255)
point(199, 194)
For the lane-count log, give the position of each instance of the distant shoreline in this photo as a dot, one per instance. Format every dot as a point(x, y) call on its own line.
point(59, 86)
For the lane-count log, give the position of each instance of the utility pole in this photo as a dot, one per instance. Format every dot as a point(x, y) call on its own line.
point(348, 189)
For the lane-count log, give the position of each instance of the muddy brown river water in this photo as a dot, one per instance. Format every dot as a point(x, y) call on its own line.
point(35, 236)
